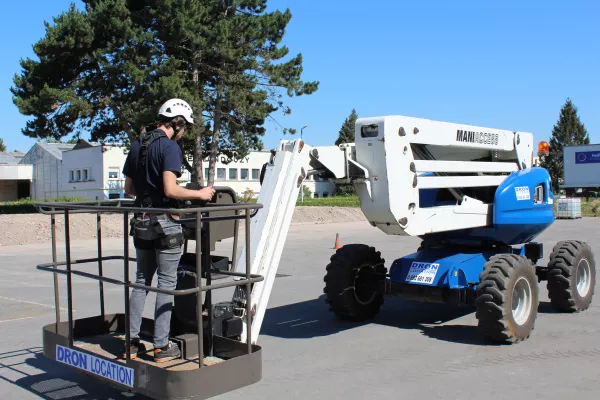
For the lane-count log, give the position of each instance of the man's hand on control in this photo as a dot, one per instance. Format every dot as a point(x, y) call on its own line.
point(207, 193)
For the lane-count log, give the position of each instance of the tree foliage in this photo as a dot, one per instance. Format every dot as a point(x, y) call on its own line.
point(106, 69)
point(2, 145)
point(567, 131)
point(346, 134)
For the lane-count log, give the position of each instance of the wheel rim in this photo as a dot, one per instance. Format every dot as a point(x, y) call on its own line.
point(521, 301)
point(364, 284)
point(583, 277)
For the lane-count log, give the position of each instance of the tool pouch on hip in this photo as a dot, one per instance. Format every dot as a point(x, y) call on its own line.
point(156, 234)
point(171, 241)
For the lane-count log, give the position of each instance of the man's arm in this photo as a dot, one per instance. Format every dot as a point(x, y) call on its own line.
point(129, 188)
point(174, 191)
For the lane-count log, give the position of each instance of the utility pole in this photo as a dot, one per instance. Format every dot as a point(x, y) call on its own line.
point(302, 186)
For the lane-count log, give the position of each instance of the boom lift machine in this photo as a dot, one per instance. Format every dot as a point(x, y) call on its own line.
point(471, 193)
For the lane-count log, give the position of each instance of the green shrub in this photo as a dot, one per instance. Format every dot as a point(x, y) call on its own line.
point(26, 206)
point(344, 189)
point(306, 191)
point(346, 201)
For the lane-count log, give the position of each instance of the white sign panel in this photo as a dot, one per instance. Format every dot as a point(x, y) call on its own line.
point(581, 166)
point(422, 272)
point(98, 366)
point(522, 193)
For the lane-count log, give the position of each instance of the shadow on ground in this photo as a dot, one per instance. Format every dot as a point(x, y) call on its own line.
point(312, 318)
point(49, 380)
point(547, 308)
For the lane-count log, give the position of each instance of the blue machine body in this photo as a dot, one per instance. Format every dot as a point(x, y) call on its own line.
point(438, 267)
point(446, 267)
point(523, 208)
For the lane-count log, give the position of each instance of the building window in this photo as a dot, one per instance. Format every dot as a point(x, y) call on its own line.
point(232, 173)
point(221, 174)
point(86, 174)
point(72, 175)
point(244, 174)
point(205, 173)
point(78, 175)
point(113, 173)
point(255, 174)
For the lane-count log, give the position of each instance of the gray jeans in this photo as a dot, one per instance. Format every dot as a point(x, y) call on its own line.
point(164, 263)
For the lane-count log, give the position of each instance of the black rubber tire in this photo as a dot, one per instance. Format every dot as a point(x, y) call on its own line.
point(562, 276)
point(355, 266)
point(495, 297)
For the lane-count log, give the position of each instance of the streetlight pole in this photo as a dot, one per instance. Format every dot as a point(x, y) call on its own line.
point(302, 186)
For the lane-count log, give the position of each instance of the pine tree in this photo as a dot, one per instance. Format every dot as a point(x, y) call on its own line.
point(567, 131)
point(2, 145)
point(106, 69)
point(346, 134)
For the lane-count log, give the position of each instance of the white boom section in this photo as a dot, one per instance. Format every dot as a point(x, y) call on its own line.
point(464, 166)
point(405, 155)
point(269, 228)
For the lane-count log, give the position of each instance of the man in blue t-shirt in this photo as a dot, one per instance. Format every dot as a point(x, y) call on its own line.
point(152, 168)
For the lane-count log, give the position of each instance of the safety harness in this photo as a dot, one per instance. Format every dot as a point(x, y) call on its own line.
point(144, 199)
point(147, 232)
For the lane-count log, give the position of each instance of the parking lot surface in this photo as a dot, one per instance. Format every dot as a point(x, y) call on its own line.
point(410, 350)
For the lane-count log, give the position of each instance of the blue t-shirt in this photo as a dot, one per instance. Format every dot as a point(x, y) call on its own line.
point(164, 154)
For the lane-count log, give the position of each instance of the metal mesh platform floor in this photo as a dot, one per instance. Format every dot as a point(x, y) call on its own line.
point(110, 346)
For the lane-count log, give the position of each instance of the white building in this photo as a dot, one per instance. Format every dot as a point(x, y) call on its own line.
point(94, 171)
point(243, 175)
point(15, 179)
point(46, 159)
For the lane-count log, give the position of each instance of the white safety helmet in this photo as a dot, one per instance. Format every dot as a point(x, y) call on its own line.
point(177, 107)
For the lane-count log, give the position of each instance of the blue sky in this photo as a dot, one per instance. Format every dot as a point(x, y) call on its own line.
point(500, 64)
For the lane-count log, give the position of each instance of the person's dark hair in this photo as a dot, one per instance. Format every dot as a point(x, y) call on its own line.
point(172, 122)
point(168, 122)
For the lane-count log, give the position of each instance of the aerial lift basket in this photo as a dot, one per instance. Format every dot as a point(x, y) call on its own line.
point(92, 344)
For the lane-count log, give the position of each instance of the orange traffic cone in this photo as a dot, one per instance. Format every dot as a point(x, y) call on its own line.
point(337, 242)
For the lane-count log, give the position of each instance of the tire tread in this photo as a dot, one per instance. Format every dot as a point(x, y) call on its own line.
point(560, 273)
point(491, 301)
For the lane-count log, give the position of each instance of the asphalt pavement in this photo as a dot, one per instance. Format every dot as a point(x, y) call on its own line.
point(410, 350)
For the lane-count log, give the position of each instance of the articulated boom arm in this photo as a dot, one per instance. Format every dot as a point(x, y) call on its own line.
point(292, 163)
point(429, 176)
point(413, 177)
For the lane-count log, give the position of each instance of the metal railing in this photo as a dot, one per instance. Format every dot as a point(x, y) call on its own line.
point(121, 206)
